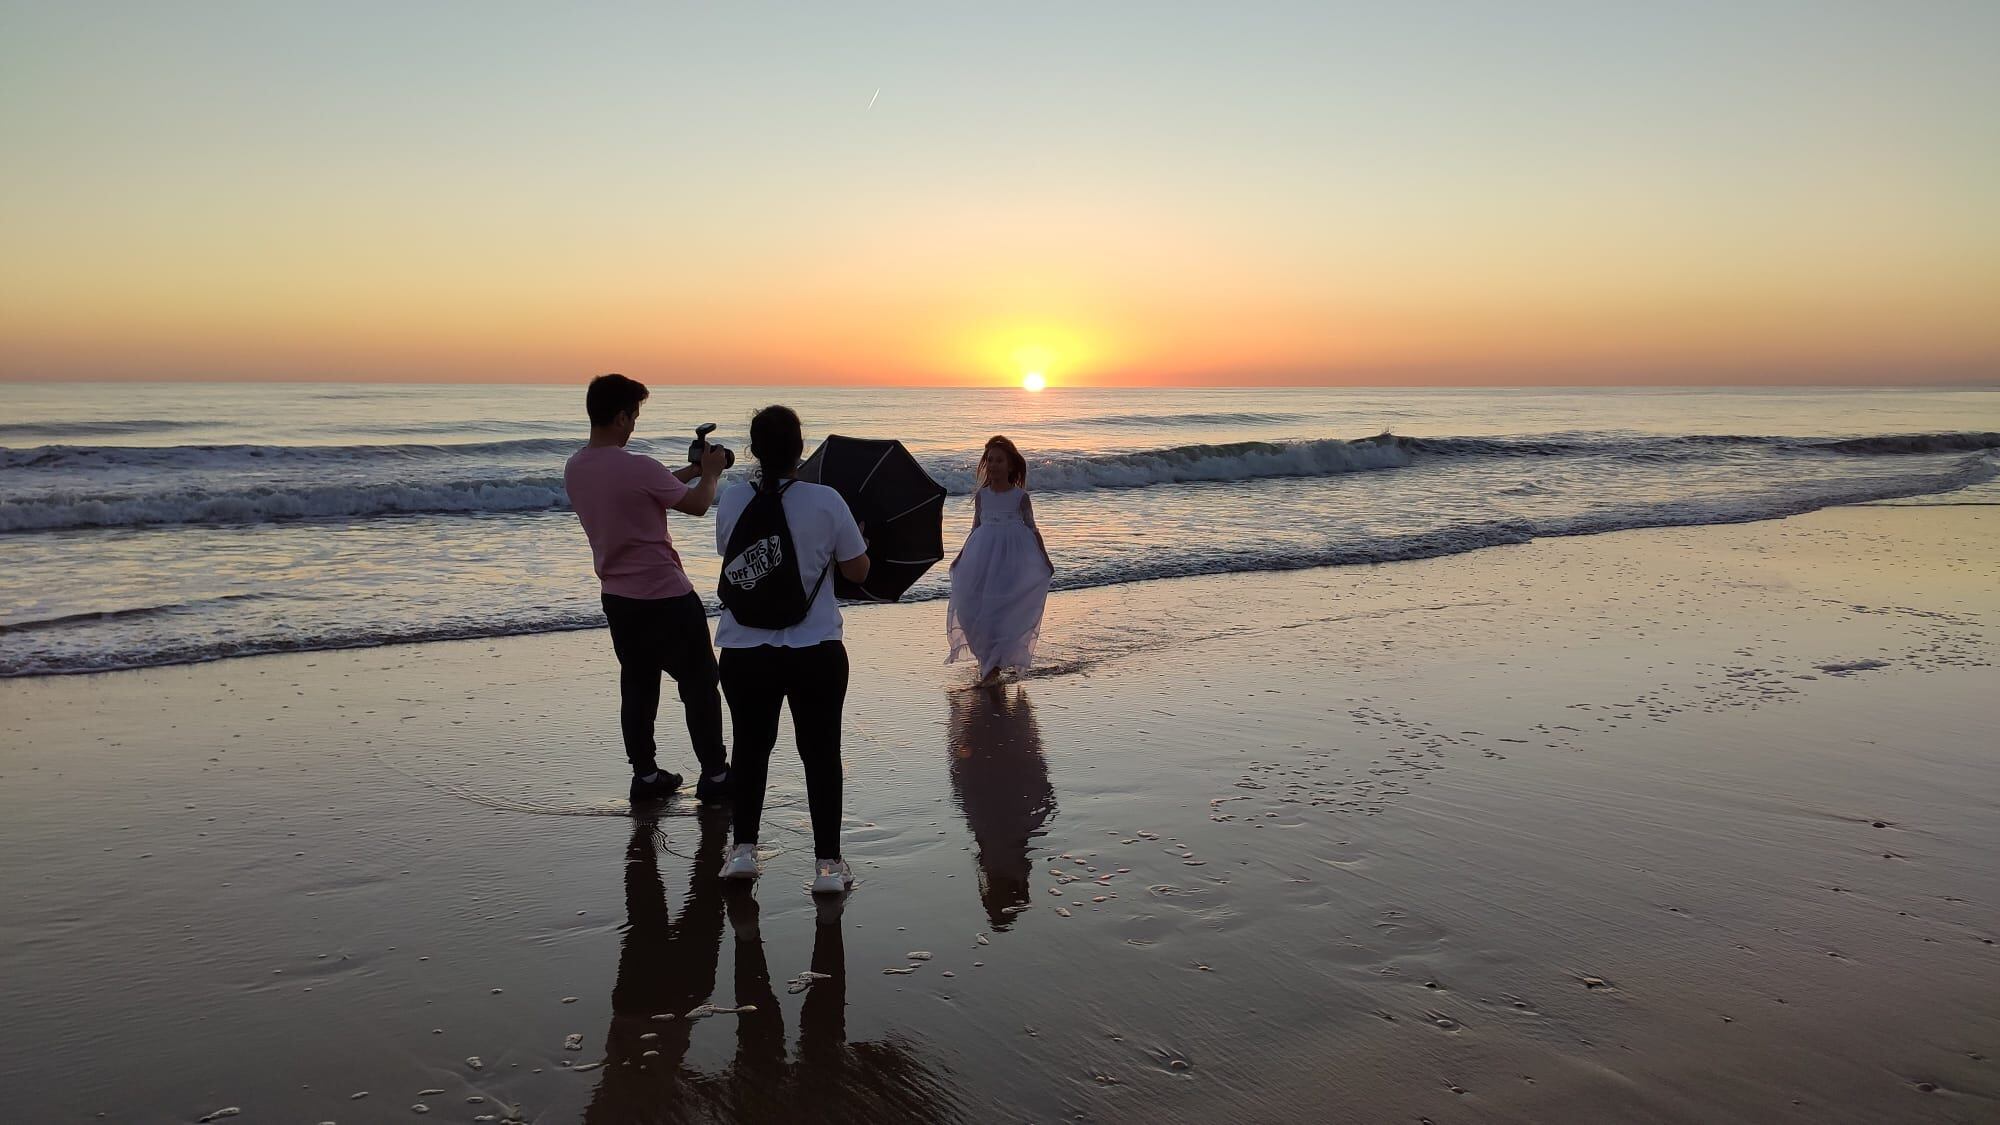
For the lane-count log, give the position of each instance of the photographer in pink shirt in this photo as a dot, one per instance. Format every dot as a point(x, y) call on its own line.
point(658, 623)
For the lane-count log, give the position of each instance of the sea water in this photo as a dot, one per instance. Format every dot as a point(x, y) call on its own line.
point(146, 524)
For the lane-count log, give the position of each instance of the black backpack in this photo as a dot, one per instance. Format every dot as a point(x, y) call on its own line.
point(760, 570)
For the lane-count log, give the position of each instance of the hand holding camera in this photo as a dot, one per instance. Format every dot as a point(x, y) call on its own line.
point(713, 457)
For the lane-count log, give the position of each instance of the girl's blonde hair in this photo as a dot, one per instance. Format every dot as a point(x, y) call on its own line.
point(1017, 465)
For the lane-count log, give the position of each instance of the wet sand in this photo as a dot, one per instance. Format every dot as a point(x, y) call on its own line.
point(1684, 825)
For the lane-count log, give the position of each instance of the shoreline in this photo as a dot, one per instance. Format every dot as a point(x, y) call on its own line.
point(1382, 826)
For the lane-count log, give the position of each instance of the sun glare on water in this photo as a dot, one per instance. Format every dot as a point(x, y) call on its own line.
point(1033, 381)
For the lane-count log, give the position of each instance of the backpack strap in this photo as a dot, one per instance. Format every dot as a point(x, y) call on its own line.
point(810, 598)
point(778, 492)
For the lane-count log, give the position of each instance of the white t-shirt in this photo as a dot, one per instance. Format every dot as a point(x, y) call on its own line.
point(823, 532)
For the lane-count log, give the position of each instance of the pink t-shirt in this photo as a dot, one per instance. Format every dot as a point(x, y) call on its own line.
point(622, 499)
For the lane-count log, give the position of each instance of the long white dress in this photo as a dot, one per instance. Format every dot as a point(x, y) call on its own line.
point(999, 587)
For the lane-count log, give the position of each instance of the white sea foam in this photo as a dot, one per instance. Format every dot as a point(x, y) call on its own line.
point(259, 484)
point(51, 488)
point(1247, 460)
point(47, 655)
point(264, 505)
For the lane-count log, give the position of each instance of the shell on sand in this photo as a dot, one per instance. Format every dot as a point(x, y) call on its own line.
point(804, 981)
point(706, 1010)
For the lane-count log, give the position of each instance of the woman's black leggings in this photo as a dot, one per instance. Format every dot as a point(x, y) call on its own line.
point(756, 681)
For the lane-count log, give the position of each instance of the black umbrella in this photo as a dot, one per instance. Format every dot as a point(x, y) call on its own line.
point(901, 507)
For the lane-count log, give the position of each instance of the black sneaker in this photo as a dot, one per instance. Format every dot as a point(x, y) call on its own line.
point(658, 789)
point(714, 792)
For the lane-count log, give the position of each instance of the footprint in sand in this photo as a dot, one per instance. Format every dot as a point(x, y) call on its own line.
point(1440, 1020)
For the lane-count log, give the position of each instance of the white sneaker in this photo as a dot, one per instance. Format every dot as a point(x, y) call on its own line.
point(742, 862)
point(832, 877)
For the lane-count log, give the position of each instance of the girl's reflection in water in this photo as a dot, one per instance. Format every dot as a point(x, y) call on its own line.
point(1002, 785)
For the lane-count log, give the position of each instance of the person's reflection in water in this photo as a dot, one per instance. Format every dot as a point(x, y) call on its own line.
point(668, 966)
point(1002, 785)
point(834, 1080)
point(756, 1087)
point(665, 967)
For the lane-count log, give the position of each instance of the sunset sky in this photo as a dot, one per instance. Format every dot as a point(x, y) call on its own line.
point(1210, 193)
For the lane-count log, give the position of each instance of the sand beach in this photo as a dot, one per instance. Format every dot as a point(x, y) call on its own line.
point(1667, 825)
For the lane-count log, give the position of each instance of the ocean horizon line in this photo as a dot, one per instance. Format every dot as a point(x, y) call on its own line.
point(1237, 385)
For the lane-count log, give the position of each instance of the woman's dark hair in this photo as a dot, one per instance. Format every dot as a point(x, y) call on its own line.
point(777, 441)
point(1017, 465)
point(612, 395)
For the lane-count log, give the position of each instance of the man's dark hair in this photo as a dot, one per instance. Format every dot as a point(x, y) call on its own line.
point(612, 395)
point(777, 440)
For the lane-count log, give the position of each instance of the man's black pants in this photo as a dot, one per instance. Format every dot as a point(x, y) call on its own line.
point(655, 635)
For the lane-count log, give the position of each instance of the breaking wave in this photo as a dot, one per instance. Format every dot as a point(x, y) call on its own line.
point(1449, 539)
point(62, 487)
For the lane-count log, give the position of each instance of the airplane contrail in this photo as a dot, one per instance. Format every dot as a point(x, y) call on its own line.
point(871, 101)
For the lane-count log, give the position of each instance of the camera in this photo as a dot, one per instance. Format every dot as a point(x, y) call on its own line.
point(701, 443)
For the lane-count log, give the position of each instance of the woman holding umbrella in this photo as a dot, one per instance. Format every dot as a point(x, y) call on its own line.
point(783, 642)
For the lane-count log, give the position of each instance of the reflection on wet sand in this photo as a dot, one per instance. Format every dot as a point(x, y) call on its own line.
point(1001, 783)
point(668, 967)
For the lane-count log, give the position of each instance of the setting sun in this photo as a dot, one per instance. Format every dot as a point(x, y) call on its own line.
point(1033, 381)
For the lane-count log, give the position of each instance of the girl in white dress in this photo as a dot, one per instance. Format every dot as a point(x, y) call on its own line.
point(1000, 579)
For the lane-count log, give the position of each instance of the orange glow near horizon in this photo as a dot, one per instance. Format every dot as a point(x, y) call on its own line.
point(1176, 341)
